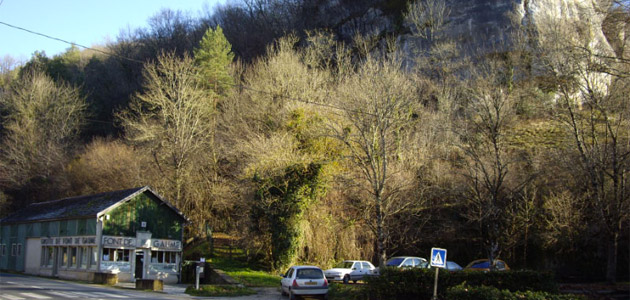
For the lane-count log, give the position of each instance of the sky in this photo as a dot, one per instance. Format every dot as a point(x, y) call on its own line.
point(84, 22)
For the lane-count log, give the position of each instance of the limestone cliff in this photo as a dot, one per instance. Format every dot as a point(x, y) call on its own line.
point(473, 23)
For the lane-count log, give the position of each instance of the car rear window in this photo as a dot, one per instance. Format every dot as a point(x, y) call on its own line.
point(309, 274)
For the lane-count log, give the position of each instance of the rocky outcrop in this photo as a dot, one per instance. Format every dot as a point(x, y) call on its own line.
point(472, 23)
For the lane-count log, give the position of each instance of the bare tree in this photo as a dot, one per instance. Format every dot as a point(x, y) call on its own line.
point(592, 84)
point(41, 121)
point(107, 165)
point(378, 102)
point(172, 120)
point(428, 17)
point(493, 189)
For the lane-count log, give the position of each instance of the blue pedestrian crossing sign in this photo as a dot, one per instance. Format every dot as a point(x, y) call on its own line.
point(438, 257)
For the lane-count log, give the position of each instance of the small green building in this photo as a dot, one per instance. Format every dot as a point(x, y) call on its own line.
point(134, 233)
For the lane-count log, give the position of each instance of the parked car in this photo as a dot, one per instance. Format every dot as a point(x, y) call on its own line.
point(407, 262)
point(484, 265)
point(350, 270)
point(304, 280)
point(404, 262)
point(453, 266)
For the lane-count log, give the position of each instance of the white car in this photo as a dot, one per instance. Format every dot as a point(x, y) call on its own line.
point(350, 270)
point(304, 280)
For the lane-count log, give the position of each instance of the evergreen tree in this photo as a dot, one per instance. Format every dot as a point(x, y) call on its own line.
point(214, 56)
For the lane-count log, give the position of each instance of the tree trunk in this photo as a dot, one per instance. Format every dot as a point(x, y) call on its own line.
point(380, 234)
point(611, 266)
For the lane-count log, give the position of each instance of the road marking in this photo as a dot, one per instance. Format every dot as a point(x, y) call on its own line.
point(36, 296)
point(12, 297)
point(84, 295)
point(35, 287)
point(109, 295)
point(64, 295)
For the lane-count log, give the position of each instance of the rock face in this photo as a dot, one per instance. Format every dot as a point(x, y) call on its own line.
point(473, 23)
point(481, 21)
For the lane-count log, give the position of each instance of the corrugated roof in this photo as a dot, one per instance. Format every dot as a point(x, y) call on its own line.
point(74, 207)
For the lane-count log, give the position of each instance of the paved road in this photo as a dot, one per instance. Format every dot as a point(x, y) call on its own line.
point(18, 287)
point(21, 287)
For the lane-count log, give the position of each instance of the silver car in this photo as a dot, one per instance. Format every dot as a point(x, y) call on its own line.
point(350, 270)
point(304, 280)
point(407, 262)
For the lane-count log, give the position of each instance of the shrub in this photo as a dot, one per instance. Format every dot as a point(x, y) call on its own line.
point(418, 283)
point(466, 292)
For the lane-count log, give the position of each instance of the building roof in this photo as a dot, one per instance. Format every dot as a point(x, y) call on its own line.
point(91, 206)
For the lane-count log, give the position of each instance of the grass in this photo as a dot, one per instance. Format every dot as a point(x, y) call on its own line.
point(233, 262)
point(219, 291)
point(243, 273)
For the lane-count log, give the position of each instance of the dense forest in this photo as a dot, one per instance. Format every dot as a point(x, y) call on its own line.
point(314, 142)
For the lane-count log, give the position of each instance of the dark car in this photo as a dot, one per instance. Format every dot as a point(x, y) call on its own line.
point(484, 265)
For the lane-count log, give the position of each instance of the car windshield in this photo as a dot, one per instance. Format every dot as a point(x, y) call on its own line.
point(345, 265)
point(309, 274)
point(394, 262)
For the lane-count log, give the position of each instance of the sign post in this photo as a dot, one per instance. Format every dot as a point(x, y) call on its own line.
point(438, 260)
point(198, 273)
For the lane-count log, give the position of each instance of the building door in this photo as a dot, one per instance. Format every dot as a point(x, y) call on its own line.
point(139, 271)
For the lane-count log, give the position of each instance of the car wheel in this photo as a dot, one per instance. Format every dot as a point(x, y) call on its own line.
point(325, 297)
point(346, 279)
point(283, 292)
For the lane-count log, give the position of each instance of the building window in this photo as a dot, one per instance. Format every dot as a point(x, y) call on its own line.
point(13, 249)
point(93, 257)
point(164, 257)
point(122, 255)
point(19, 250)
point(84, 254)
point(170, 257)
point(47, 256)
point(107, 255)
point(157, 257)
point(3, 249)
point(64, 256)
point(73, 257)
point(110, 254)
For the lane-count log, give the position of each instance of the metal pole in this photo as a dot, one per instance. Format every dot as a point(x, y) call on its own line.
point(197, 277)
point(437, 270)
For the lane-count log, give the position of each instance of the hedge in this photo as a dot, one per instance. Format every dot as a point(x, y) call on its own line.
point(465, 292)
point(418, 283)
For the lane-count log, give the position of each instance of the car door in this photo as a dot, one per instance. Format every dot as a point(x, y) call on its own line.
point(366, 269)
point(408, 263)
point(355, 271)
point(287, 280)
point(416, 262)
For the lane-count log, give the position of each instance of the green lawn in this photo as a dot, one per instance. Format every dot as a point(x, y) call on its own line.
point(233, 262)
point(219, 291)
point(243, 273)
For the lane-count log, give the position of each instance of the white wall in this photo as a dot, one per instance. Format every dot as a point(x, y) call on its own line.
point(33, 257)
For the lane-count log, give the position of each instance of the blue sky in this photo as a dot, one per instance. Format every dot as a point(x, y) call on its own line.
point(85, 22)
